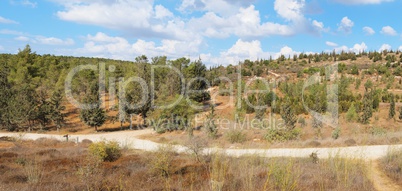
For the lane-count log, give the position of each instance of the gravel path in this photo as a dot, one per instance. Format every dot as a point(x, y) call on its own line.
point(130, 139)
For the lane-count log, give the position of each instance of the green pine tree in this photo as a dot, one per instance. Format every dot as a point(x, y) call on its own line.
point(288, 114)
point(391, 113)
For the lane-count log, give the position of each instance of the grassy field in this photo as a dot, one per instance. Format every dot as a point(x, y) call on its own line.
point(47, 164)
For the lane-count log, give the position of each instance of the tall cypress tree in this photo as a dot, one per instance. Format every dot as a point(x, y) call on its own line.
point(391, 113)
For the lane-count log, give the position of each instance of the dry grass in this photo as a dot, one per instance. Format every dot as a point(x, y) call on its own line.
point(53, 165)
point(392, 165)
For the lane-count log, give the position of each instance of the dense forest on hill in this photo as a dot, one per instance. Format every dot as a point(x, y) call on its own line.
point(33, 90)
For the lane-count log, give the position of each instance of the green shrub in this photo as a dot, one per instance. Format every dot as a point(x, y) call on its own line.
point(378, 131)
point(236, 136)
point(351, 115)
point(281, 135)
point(105, 150)
point(336, 133)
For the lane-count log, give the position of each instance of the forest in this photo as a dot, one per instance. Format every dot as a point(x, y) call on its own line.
point(34, 96)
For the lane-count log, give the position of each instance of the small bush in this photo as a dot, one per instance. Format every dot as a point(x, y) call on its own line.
point(377, 131)
point(105, 150)
point(236, 136)
point(281, 135)
point(336, 133)
point(350, 142)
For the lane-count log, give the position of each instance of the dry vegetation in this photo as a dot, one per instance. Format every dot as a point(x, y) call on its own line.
point(392, 165)
point(47, 164)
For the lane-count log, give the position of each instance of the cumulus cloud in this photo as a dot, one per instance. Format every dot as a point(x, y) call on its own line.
point(161, 12)
point(346, 25)
point(290, 9)
point(328, 43)
point(7, 21)
point(368, 31)
point(362, 2)
point(246, 23)
point(388, 30)
point(103, 45)
point(357, 48)
point(242, 50)
point(400, 48)
point(385, 47)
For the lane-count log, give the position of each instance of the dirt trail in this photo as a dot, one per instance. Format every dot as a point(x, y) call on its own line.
point(380, 181)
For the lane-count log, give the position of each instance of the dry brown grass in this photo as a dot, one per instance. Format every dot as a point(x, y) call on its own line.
point(48, 164)
point(392, 165)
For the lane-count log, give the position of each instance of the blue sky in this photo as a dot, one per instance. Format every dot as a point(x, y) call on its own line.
point(219, 31)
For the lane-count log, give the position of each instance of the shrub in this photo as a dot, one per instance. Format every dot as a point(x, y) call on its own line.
point(377, 131)
point(282, 134)
point(236, 136)
point(336, 133)
point(351, 115)
point(105, 150)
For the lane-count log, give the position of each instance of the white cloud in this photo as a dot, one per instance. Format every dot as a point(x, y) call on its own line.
point(10, 32)
point(364, 2)
point(103, 45)
point(290, 9)
point(1, 48)
point(357, 48)
point(26, 3)
point(346, 25)
point(400, 48)
point(385, 47)
point(388, 30)
point(111, 14)
point(161, 12)
point(319, 26)
point(7, 21)
point(368, 31)
point(242, 50)
point(328, 43)
point(53, 41)
point(22, 38)
point(221, 7)
point(246, 23)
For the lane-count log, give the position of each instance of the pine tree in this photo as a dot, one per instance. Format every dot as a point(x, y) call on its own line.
point(94, 117)
point(211, 127)
point(56, 109)
point(288, 115)
point(261, 107)
point(391, 113)
point(367, 108)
